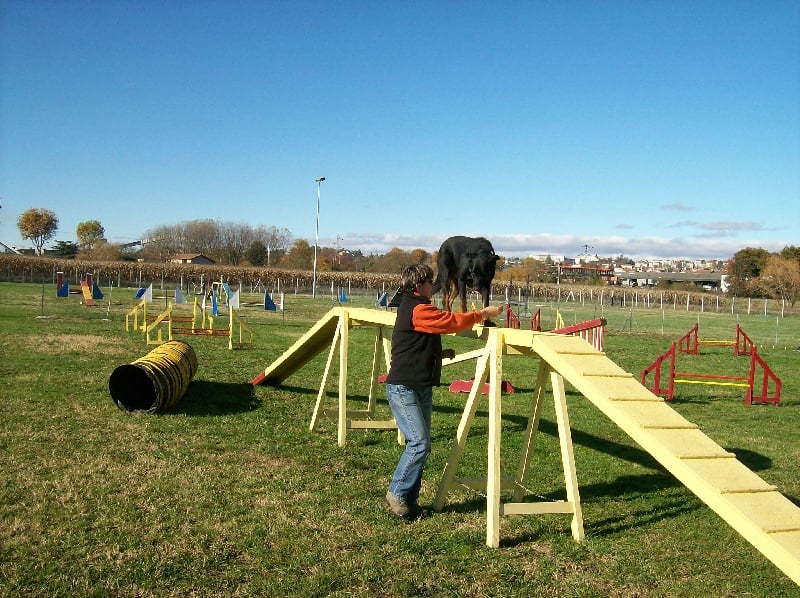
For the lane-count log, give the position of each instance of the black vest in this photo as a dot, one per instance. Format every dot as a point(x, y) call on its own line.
point(416, 356)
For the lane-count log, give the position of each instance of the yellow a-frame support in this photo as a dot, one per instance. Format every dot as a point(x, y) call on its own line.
point(352, 418)
point(334, 330)
point(490, 365)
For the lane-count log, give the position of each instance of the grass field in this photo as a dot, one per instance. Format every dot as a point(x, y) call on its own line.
point(230, 494)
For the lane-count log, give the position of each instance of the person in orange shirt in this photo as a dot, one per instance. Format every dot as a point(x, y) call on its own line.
point(416, 367)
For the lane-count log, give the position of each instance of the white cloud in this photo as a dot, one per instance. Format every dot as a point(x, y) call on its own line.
point(679, 207)
point(522, 245)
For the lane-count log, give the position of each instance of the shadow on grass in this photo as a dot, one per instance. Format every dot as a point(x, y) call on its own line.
point(303, 390)
point(640, 518)
point(618, 450)
point(758, 462)
point(751, 459)
point(793, 499)
point(624, 486)
point(216, 398)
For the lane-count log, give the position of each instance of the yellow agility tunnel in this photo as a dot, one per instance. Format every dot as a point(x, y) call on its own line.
point(155, 382)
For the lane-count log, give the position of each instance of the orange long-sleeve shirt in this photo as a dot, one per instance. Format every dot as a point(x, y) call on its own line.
point(428, 318)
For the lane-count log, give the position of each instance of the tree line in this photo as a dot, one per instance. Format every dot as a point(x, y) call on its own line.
point(752, 272)
point(226, 243)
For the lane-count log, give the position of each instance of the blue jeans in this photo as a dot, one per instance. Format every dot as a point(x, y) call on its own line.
point(412, 408)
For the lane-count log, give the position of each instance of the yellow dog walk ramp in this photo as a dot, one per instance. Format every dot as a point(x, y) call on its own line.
point(755, 509)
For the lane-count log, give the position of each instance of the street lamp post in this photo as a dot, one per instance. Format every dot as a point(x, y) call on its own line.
point(316, 242)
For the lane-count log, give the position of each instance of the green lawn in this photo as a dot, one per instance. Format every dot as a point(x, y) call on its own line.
point(229, 493)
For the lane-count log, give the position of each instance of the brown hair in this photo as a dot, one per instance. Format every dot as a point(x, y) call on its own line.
point(415, 274)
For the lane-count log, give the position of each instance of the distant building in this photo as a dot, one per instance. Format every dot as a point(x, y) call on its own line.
point(543, 257)
point(7, 249)
point(190, 258)
point(708, 280)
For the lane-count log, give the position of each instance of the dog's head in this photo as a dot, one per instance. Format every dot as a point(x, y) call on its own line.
point(481, 266)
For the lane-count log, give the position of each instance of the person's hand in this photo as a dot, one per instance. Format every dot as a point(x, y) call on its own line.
point(448, 353)
point(491, 311)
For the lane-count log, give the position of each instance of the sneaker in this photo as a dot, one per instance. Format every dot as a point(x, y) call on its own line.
point(403, 509)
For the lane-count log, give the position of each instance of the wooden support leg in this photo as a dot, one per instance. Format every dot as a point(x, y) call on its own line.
point(471, 406)
point(493, 477)
point(324, 383)
point(533, 426)
point(567, 455)
point(230, 329)
point(344, 333)
point(373, 381)
point(357, 418)
point(387, 352)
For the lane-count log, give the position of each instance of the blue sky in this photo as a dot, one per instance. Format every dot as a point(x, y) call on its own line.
point(649, 129)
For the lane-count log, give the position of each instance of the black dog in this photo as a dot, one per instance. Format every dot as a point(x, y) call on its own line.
point(465, 262)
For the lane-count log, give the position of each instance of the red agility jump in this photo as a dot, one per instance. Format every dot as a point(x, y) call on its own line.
point(690, 342)
point(592, 331)
point(762, 385)
point(512, 320)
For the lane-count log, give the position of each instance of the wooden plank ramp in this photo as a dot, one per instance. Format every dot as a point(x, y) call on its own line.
point(87, 293)
point(318, 339)
point(751, 506)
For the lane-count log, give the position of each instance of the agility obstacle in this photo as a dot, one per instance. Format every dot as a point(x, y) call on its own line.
point(333, 331)
point(236, 331)
point(592, 331)
point(761, 384)
point(691, 341)
point(512, 320)
point(536, 321)
point(155, 382)
point(133, 319)
point(89, 288)
point(177, 324)
point(136, 318)
point(753, 508)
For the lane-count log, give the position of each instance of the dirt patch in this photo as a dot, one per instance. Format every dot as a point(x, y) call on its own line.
point(78, 343)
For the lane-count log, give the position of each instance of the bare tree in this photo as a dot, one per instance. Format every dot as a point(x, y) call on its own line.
point(276, 240)
point(235, 239)
point(202, 236)
point(161, 243)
